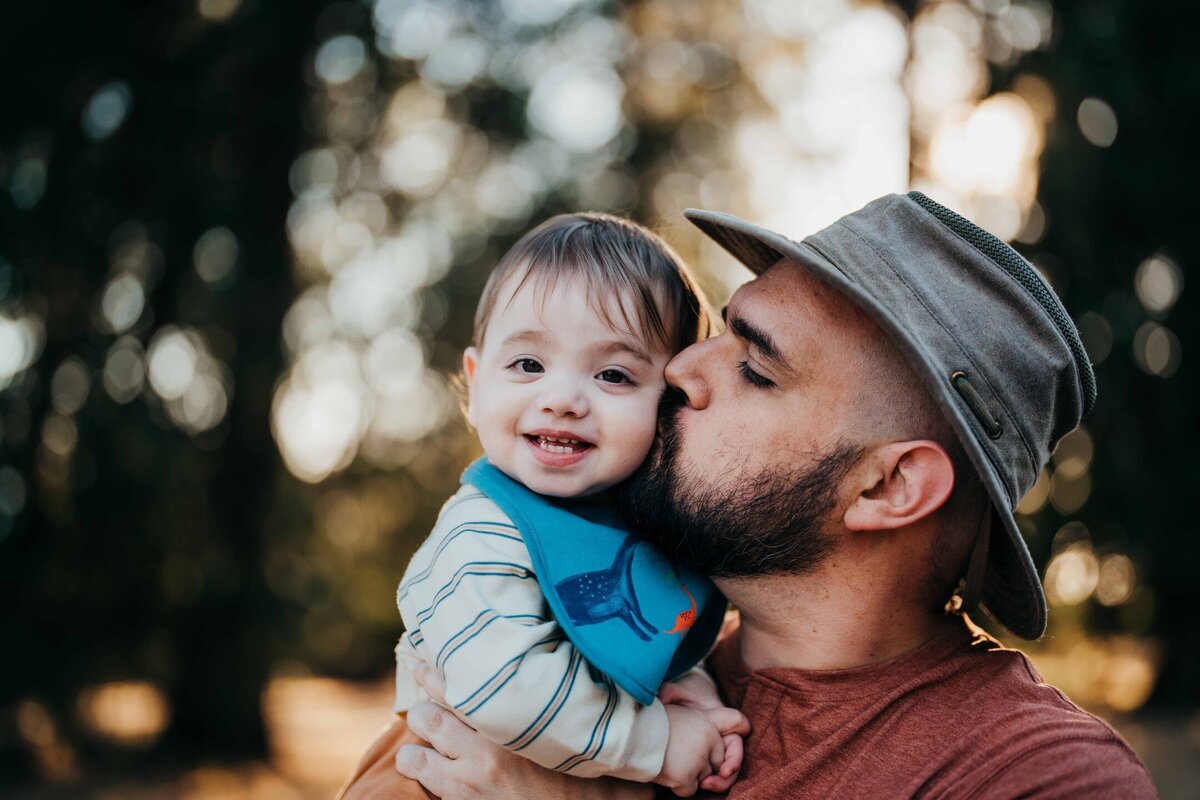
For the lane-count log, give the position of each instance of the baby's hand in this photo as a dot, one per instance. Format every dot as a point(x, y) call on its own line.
point(692, 689)
point(696, 690)
point(733, 726)
point(699, 754)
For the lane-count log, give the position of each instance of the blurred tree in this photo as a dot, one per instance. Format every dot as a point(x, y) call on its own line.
point(1111, 206)
point(136, 552)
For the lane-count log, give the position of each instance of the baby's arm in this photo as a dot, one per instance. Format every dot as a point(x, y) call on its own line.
point(474, 612)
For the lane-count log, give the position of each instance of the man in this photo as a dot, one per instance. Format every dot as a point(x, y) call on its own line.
point(838, 459)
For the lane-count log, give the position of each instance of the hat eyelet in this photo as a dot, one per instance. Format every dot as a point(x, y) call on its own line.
point(962, 385)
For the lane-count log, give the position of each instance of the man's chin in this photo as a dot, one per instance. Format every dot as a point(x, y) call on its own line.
point(770, 521)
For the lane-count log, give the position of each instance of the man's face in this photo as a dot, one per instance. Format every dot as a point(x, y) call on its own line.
point(755, 445)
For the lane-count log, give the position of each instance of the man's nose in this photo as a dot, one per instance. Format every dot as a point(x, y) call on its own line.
point(564, 396)
point(686, 373)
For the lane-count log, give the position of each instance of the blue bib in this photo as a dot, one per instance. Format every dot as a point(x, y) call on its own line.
point(635, 616)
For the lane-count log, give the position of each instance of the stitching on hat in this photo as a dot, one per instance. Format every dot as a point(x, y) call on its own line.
point(745, 248)
point(1002, 255)
point(1007, 273)
point(1020, 434)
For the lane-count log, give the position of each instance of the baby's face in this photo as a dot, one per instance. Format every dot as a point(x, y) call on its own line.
point(563, 403)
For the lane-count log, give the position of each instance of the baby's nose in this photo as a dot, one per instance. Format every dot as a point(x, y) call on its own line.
point(564, 397)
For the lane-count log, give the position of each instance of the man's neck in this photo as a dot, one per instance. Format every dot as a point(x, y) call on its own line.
point(819, 622)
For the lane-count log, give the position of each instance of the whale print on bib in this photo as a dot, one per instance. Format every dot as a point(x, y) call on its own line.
point(604, 594)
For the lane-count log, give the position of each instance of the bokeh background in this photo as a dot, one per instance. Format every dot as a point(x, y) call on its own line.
point(241, 242)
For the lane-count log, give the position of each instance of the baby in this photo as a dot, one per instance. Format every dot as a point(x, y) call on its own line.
point(552, 627)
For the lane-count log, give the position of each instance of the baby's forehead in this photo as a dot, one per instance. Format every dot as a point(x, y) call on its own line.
point(621, 309)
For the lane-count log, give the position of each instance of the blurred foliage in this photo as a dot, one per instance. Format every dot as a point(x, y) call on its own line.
point(188, 192)
point(1109, 211)
point(137, 548)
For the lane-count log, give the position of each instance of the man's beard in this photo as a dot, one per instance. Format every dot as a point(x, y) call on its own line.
point(772, 522)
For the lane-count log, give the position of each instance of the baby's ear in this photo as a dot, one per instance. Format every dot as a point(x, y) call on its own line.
point(470, 362)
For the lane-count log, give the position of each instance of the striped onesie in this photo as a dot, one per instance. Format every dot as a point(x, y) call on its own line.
point(473, 610)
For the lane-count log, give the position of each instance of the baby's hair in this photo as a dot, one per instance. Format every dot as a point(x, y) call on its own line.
point(615, 258)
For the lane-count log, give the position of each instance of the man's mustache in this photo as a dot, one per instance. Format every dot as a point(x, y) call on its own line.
point(668, 407)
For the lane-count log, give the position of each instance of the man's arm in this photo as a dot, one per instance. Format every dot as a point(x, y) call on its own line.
point(464, 765)
point(1095, 769)
point(375, 776)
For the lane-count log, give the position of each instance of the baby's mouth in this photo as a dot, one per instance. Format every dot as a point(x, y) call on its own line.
point(554, 444)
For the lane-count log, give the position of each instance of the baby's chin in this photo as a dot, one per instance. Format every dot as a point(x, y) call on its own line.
point(565, 490)
point(570, 487)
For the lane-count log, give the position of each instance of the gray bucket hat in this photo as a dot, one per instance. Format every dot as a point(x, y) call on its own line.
point(985, 333)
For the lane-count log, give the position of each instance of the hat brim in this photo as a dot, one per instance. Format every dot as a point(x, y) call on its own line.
point(1012, 591)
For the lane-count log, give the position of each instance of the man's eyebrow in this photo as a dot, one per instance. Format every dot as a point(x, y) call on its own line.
point(759, 339)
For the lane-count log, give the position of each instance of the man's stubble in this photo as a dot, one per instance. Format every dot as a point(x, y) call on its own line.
point(772, 521)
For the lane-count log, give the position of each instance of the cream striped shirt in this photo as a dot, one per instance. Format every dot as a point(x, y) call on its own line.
point(473, 610)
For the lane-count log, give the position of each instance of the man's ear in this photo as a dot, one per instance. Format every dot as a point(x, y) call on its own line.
point(899, 483)
point(470, 362)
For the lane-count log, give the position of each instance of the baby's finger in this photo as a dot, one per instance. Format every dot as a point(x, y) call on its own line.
point(716, 758)
point(716, 783)
point(729, 720)
point(685, 789)
point(733, 756)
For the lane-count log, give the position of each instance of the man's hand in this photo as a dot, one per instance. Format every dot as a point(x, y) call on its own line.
point(465, 765)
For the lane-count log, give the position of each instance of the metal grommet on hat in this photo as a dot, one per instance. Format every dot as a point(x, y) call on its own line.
point(987, 336)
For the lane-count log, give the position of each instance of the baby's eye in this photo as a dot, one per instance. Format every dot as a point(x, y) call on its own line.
point(614, 376)
point(529, 366)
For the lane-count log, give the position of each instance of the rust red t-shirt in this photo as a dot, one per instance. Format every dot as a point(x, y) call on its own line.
point(958, 717)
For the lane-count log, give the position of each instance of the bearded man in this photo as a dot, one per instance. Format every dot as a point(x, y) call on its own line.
point(844, 461)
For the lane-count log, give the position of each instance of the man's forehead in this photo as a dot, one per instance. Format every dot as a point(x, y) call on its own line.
point(800, 290)
point(801, 313)
point(783, 286)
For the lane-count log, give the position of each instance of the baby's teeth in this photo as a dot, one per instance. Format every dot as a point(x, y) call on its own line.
point(544, 443)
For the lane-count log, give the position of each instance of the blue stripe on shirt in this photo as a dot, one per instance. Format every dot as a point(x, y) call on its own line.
point(485, 568)
point(465, 527)
point(500, 678)
point(551, 709)
point(475, 627)
point(589, 752)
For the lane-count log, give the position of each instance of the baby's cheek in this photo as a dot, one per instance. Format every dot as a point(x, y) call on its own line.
point(643, 425)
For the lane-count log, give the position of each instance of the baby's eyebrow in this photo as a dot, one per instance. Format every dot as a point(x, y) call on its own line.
point(527, 335)
point(540, 338)
point(615, 346)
